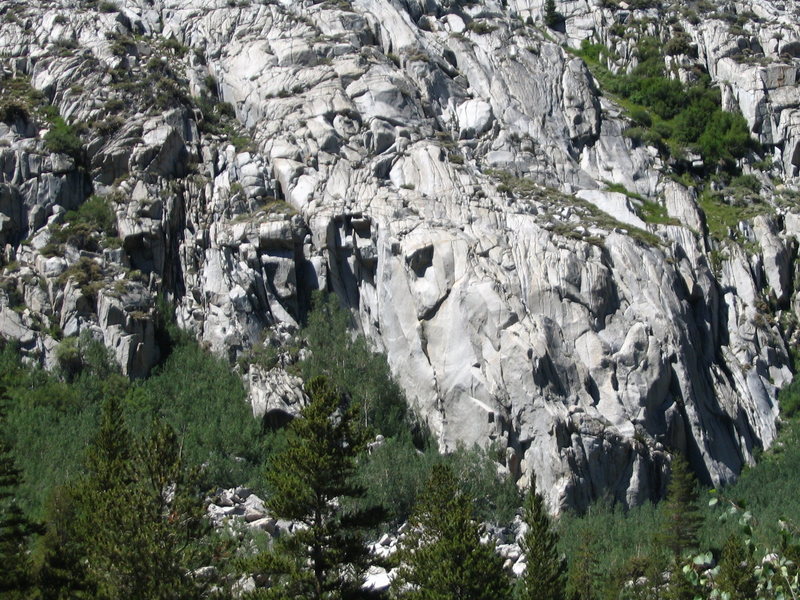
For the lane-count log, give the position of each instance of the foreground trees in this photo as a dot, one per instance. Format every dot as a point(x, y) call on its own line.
point(309, 481)
point(442, 557)
point(132, 527)
point(128, 522)
point(545, 574)
point(15, 527)
point(681, 510)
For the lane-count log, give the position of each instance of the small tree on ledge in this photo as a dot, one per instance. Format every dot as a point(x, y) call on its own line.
point(552, 17)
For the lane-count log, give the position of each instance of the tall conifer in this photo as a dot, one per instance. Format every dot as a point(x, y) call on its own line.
point(545, 574)
point(736, 570)
point(310, 481)
point(15, 527)
point(133, 526)
point(442, 557)
point(682, 518)
point(551, 16)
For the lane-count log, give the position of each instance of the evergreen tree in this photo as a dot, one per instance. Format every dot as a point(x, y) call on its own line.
point(639, 578)
point(133, 527)
point(545, 574)
point(78, 519)
point(61, 568)
point(551, 16)
point(680, 587)
point(682, 518)
point(583, 574)
point(442, 557)
point(15, 528)
point(310, 481)
point(154, 531)
point(736, 570)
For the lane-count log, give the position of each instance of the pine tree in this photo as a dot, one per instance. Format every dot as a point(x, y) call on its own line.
point(583, 574)
point(736, 570)
point(442, 557)
point(681, 511)
point(132, 527)
point(545, 574)
point(78, 515)
point(551, 16)
point(61, 568)
point(154, 528)
point(310, 482)
point(15, 528)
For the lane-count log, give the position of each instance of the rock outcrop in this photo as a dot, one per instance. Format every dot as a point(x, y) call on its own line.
point(452, 173)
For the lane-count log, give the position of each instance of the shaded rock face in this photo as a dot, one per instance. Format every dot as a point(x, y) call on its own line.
point(442, 169)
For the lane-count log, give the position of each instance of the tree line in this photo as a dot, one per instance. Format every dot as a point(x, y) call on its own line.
point(133, 526)
point(128, 519)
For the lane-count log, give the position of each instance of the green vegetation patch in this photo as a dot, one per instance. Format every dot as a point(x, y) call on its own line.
point(90, 227)
point(726, 209)
point(198, 395)
point(19, 100)
point(610, 545)
point(668, 114)
point(219, 118)
point(649, 211)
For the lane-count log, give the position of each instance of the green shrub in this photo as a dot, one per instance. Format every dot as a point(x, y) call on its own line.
point(68, 356)
point(665, 97)
point(205, 402)
point(789, 399)
point(480, 27)
point(176, 47)
point(662, 129)
point(653, 212)
point(637, 134)
point(725, 138)
point(680, 43)
point(226, 109)
point(393, 475)
point(87, 274)
point(641, 116)
point(114, 105)
point(50, 420)
point(592, 52)
point(669, 115)
point(18, 99)
point(95, 217)
point(617, 536)
point(496, 496)
point(97, 213)
point(196, 393)
point(748, 182)
point(456, 159)
point(61, 139)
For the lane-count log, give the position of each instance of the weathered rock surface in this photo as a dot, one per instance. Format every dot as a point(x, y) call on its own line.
point(446, 171)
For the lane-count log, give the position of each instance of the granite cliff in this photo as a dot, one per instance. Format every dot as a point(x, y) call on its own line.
point(456, 175)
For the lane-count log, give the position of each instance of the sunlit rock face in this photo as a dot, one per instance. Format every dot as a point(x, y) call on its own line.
point(453, 173)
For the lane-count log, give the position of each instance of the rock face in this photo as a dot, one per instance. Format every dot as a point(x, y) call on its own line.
point(446, 170)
